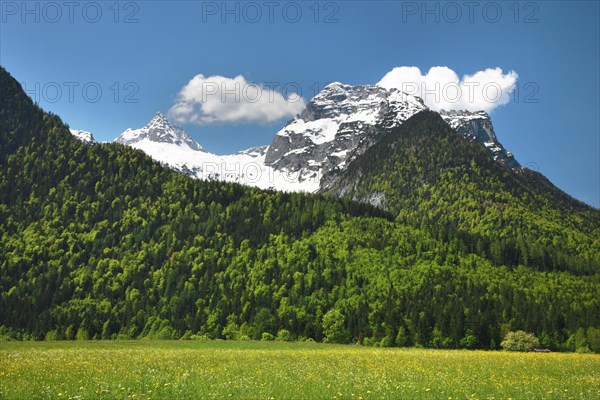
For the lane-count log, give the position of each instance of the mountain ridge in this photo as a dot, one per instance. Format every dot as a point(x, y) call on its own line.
point(337, 125)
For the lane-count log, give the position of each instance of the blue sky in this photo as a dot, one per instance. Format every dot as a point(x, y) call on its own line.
point(140, 54)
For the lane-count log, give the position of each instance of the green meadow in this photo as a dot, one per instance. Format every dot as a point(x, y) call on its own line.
point(280, 370)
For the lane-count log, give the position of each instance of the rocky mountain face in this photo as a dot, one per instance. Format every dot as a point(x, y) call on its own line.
point(336, 125)
point(478, 126)
point(342, 121)
point(339, 124)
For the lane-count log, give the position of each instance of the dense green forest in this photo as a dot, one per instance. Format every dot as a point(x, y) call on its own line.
point(427, 175)
point(101, 242)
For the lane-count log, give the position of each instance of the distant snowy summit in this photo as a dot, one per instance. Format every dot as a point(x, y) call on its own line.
point(173, 146)
point(83, 136)
point(159, 130)
point(337, 125)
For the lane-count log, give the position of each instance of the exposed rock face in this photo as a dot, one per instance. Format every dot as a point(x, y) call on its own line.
point(335, 125)
point(478, 126)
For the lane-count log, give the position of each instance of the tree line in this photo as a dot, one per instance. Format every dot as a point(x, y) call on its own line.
point(100, 242)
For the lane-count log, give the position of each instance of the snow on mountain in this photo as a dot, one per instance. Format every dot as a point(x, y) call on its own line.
point(336, 123)
point(83, 136)
point(478, 126)
point(159, 130)
point(174, 147)
point(258, 151)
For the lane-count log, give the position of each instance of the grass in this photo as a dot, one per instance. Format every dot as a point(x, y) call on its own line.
point(275, 370)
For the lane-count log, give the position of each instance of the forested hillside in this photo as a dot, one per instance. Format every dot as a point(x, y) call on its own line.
point(101, 242)
point(428, 175)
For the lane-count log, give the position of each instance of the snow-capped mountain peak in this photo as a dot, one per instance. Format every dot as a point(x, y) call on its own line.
point(338, 122)
point(83, 136)
point(159, 130)
point(172, 146)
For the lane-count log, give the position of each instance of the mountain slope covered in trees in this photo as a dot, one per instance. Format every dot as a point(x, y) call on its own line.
point(427, 174)
point(101, 242)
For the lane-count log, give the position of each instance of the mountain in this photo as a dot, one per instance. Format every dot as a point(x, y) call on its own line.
point(103, 242)
point(114, 202)
point(338, 124)
point(477, 126)
point(342, 121)
point(174, 147)
point(425, 173)
point(159, 130)
point(83, 136)
point(386, 148)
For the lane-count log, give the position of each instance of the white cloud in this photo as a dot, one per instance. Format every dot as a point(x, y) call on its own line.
point(441, 87)
point(205, 100)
